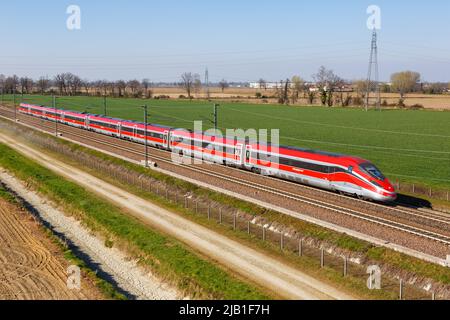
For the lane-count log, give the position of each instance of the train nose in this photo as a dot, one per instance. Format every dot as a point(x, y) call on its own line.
point(388, 186)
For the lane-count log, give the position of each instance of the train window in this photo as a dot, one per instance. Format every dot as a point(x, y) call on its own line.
point(126, 129)
point(154, 135)
point(75, 118)
point(338, 170)
point(304, 165)
point(350, 169)
point(372, 171)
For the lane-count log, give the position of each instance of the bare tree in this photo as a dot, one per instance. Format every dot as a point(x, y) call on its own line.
point(283, 91)
point(298, 85)
point(104, 85)
point(121, 86)
point(360, 86)
point(2, 82)
point(262, 84)
point(327, 82)
point(86, 84)
point(11, 84)
point(61, 82)
point(188, 80)
point(112, 88)
point(146, 84)
point(197, 86)
point(73, 82)
point(405, 82)
point(223, 85)
point(43, 84)
point(134, 86)
point(26, 85)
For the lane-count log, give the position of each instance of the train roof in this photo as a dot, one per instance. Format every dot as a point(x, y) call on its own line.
point(149, 124)
point(317, 152)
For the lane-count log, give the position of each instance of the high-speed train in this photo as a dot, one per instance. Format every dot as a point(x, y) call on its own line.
point(341, 173)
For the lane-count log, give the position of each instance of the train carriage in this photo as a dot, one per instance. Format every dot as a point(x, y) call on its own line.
point(75, 119)
point(157, 136)
point(104, 125)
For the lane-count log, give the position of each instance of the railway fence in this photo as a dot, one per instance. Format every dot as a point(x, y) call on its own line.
point(300, 248)
point(421, 190)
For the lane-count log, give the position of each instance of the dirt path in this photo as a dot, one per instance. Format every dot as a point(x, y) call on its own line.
point(266, 271)
point(28, 270)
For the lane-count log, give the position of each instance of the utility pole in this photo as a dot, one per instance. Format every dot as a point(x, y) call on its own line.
point(373, 64)
point(215, 115)
point(14, 99)
point(56, 116)
point(145, 107)
point(104, 105)
point(207, 83)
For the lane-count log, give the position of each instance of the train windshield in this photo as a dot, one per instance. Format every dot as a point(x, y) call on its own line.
point(372, 170)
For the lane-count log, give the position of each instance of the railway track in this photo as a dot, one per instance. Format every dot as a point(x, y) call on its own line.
point(317, 203)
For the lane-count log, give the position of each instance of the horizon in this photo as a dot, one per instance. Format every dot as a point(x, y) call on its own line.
point(117, 41)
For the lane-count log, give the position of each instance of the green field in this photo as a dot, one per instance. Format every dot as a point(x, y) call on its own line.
point(409, 146)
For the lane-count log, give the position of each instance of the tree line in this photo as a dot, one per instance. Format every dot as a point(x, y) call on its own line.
point(328, 88)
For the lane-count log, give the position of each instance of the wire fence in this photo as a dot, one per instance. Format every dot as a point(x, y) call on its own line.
point(429, 192)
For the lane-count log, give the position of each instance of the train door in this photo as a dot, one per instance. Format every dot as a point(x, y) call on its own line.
point(248, 156)
point(238, 154)
point(119, 129)
point(331, 177)
point(135, 132)
point(166, 139)
point(170, 141)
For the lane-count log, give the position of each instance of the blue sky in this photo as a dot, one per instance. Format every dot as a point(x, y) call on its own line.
point(236, 40)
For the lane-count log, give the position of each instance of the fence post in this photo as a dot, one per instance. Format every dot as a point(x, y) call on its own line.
point(167, 193)
point(414, 188)
point(220, 216)
point(322, 258)
point(209, 212)
point(248, 227)
point(345, 266)
point(186, 202)
point(196, 206)
point(433, 296)
point(234, 221)
point(448, 199)
point(300, 248)
point(282, 241)
point(401, 290)
point(264, 233)
point(431, 192)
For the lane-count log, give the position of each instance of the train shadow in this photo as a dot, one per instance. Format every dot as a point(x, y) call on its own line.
point(407, 200)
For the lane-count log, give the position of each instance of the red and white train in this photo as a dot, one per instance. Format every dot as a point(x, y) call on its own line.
point(345, 174)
